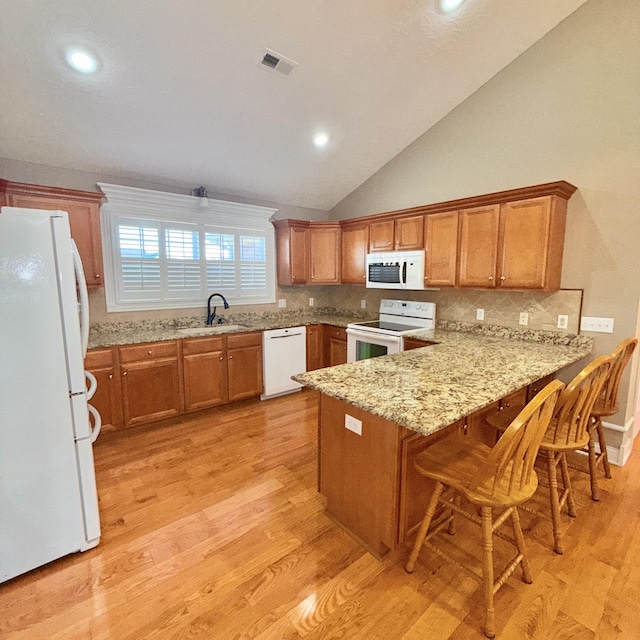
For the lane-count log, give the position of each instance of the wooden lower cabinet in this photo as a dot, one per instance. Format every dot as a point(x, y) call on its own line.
point(415, 489)
point(335, 345)
point(205, 373)
point(150, 382)
point(102, 364)
point(153, 381)
point(315, 347)
point(244, 360)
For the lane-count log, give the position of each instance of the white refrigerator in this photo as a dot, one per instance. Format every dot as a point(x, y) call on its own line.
point(48, 496)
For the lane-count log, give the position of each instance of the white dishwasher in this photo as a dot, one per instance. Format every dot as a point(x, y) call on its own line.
point(284, 353)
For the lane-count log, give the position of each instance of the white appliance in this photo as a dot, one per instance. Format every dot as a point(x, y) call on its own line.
point(48, 497)
point(385, 335)
point(284, 354)
point(395, 270)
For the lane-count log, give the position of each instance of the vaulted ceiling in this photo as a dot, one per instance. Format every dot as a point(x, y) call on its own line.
point(181, 97)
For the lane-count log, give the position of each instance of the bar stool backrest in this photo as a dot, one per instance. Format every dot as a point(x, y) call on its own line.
point(509, 466)
point(570, 421)
point(608, 401)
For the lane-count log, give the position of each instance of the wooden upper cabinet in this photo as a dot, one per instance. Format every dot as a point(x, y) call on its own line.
point(397, 234)
point(479, 228)
point(532, 240)
point(355, 245)
point(441, 261)
point(324, 252)
point(291, 251)
point(381, 236)
point(409, 233)
point(83, 208)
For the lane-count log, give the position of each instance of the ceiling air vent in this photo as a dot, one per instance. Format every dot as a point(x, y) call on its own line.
point(275, 61)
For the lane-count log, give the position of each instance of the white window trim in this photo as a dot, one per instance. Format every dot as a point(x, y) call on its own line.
point(131, 202)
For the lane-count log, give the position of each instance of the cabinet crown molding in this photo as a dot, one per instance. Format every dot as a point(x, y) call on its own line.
point(25, 189)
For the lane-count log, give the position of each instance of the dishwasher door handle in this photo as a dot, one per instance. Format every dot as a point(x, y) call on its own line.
point(289, 335)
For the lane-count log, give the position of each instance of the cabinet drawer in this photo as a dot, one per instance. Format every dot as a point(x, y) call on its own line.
point(149, 351)
point(98, 358)
point(337, 333)
point(201, 345)
point(539, 385)
point(516, 399)
point(239, 340)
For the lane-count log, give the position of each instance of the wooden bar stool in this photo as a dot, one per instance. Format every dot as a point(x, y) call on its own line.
point(606, 405)
point(499, 478)
point(568, 431)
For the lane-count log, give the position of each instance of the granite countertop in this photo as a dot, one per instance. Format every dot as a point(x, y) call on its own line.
point(431, 387)
point(123, 333)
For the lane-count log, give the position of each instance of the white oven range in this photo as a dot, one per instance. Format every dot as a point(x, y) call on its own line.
point(385, 335)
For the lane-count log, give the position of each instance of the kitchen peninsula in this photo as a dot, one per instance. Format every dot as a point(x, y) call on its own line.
point(376, 415)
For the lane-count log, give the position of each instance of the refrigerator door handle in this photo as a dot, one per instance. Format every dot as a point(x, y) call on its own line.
point(93, 384)
point(97, 422)
point(84, 298)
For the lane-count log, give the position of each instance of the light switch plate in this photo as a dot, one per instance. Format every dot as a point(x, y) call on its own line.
point(597, 325)
point(363, 304)
point(563, 322)
point(479, 314)
point(282, 302)
point(353, 424)
point(311, 302)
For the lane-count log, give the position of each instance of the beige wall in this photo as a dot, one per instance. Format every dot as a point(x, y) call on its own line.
point(566, 109)
point(18, 171)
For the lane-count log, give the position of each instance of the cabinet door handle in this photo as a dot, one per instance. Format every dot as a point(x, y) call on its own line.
point(125, 373)
point(111, 376)
point(490, 277)
point(97, 276)
point(503, 278)
point(221, 358)
point(150, 352)
point(230, 357)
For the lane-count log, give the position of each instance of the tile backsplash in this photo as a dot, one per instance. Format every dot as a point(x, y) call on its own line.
point(501, 308)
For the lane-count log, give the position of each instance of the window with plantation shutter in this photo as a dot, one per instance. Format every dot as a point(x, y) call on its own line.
point(167, 251)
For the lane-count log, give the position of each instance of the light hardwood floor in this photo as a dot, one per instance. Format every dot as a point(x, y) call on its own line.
point(212, 528)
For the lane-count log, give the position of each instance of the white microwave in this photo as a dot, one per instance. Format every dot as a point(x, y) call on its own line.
point(395, 270)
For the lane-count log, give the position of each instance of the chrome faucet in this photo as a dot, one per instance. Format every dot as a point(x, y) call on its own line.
point(211, 315)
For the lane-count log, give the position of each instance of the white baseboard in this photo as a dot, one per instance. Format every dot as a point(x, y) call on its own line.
point(620, 441)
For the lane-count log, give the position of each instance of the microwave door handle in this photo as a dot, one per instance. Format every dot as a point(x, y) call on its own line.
point(403, 274)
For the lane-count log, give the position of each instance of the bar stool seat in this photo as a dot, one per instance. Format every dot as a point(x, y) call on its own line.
point(499, 478)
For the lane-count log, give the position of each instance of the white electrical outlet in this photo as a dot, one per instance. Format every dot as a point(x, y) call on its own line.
point(363, 304)
point(597, 325)
point(311, 302)
point(353, 424)
point(563, 322)
point(479, 314)
point(282, 302)
point(524, 318)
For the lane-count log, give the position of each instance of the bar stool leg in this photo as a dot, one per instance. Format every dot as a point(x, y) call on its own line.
point(593, 465)
point(554, 502)
point(487, 572)
point(566, 481)
point(424, 527)
point(603, 448)
point(519, 538)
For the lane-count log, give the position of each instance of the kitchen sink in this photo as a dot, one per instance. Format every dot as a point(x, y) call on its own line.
point(219, 328)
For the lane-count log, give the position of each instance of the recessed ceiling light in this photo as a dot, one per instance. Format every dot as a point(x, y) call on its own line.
point(450, 5)
point(81, 60)
point(320, 139)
